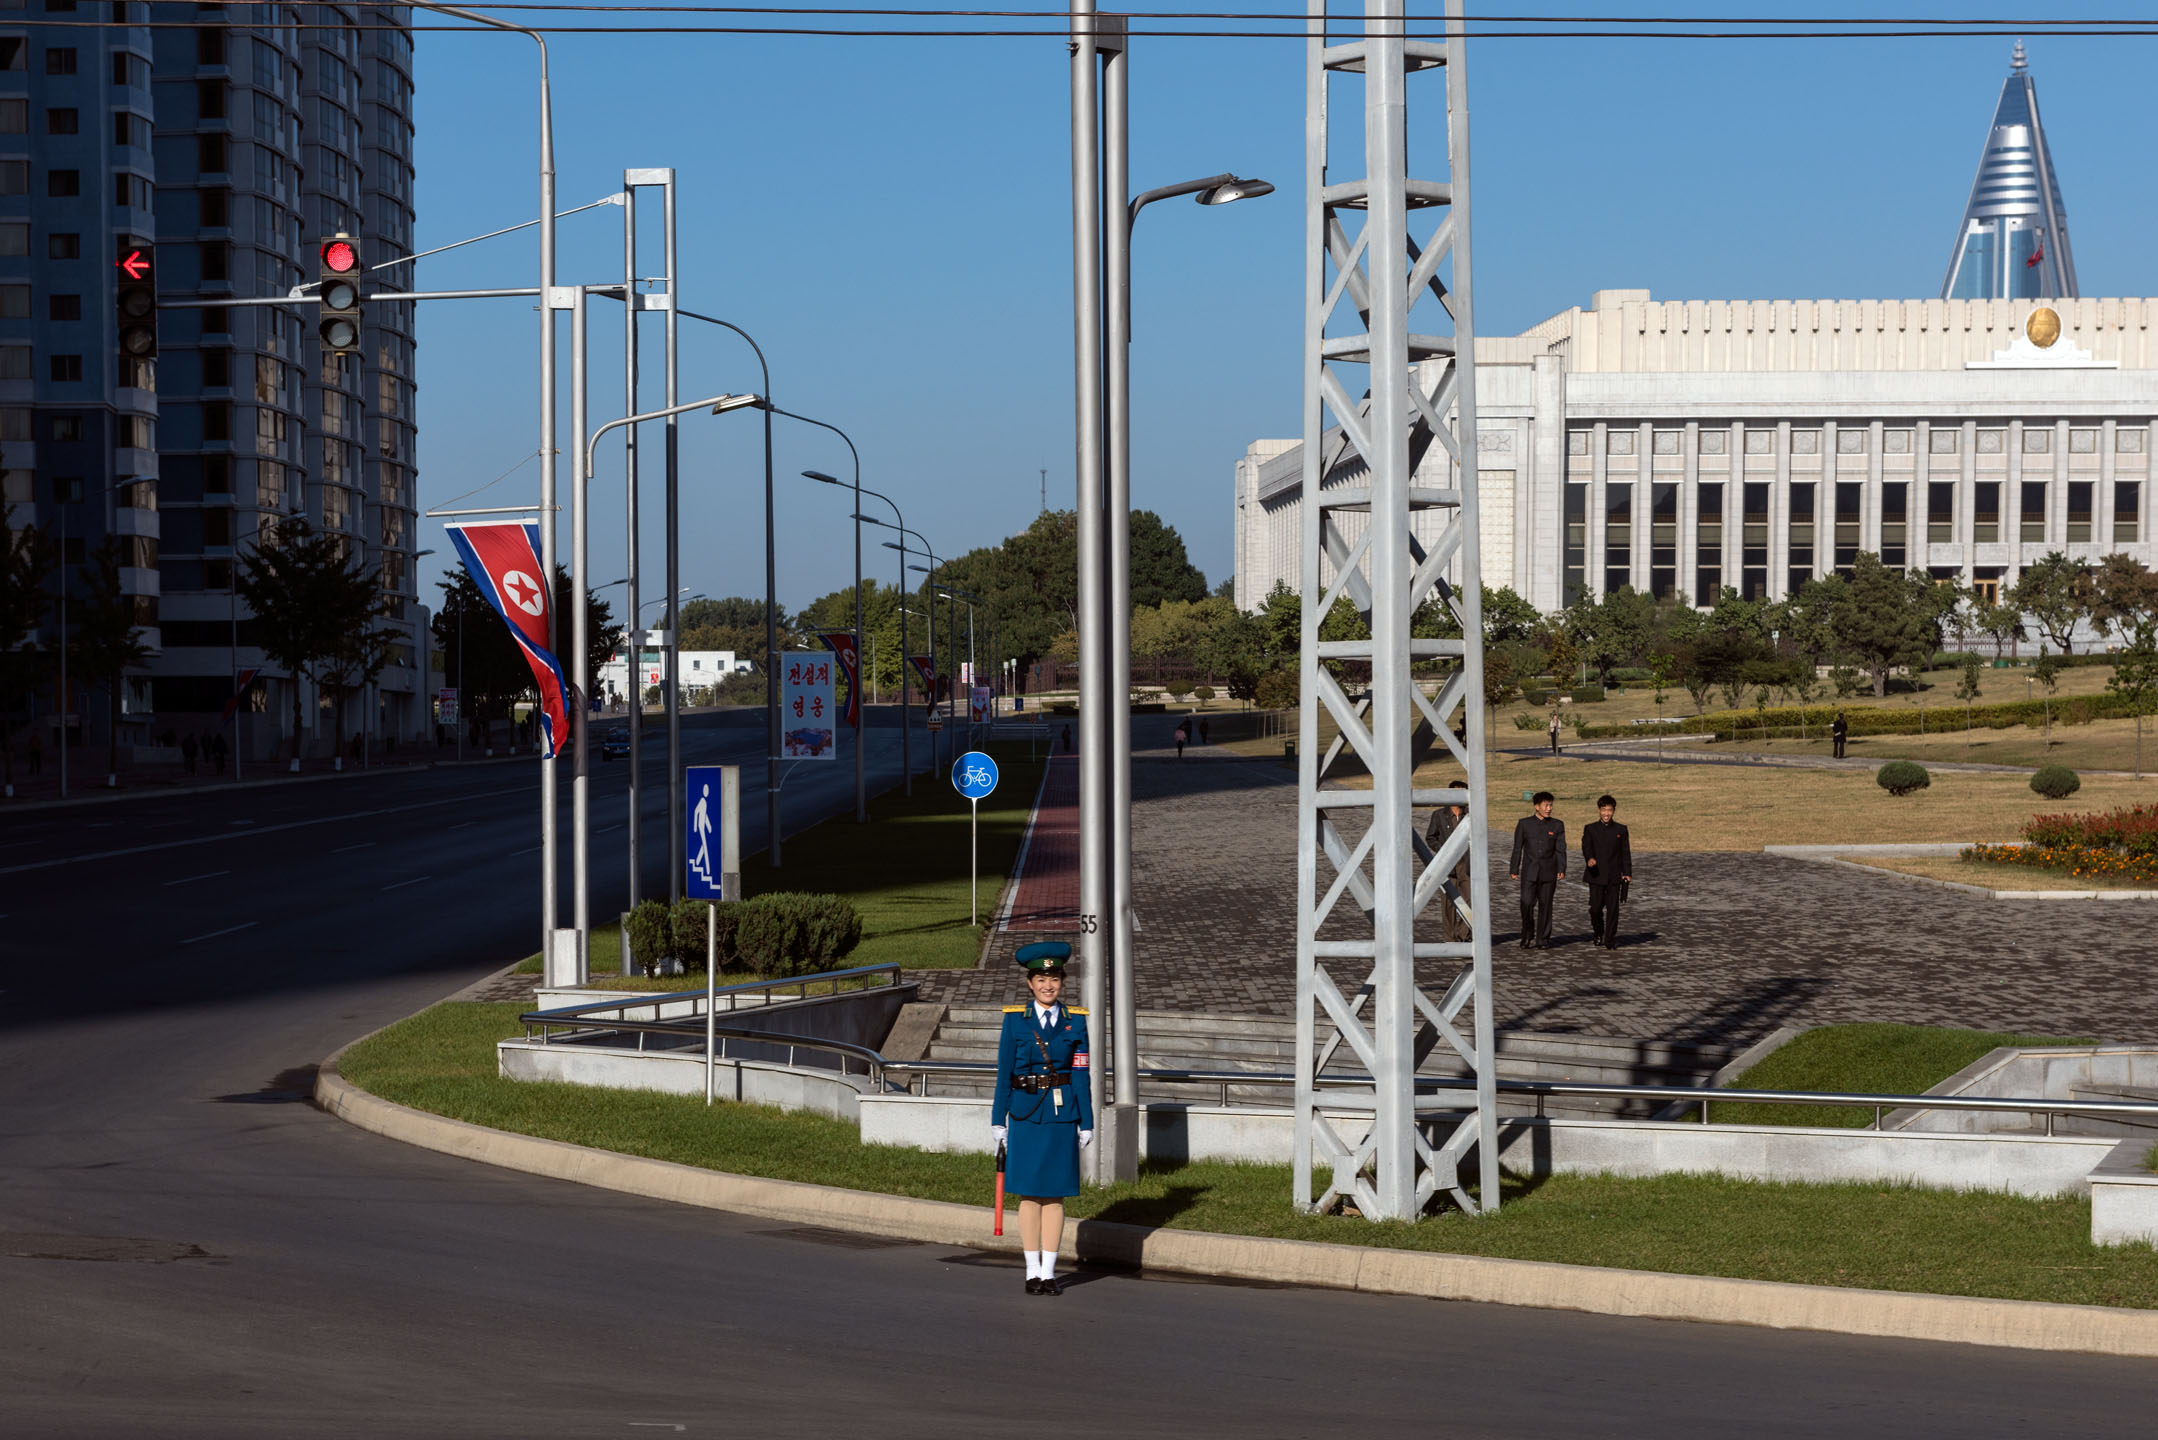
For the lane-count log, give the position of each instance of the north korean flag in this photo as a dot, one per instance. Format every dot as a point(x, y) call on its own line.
point(842, 643)
point(502, 557)
point(929, 676)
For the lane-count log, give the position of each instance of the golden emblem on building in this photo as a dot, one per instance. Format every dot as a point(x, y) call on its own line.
point(2043, 328)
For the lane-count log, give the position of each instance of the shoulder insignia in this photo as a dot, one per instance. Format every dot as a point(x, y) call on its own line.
point(1075, 1009)
point(1013, 1009)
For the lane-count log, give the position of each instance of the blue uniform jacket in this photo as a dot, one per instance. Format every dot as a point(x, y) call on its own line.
point(1024, 1049)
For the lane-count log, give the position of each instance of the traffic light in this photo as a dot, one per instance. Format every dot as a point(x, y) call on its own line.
point(340, 295)
point(135, 300)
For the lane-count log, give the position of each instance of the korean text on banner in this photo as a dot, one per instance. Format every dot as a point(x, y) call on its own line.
point(981, 709)
point(842, 643)
point(503, 559)
point(807, 723)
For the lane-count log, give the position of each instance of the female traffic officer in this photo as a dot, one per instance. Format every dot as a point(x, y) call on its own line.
point(1043, 1107)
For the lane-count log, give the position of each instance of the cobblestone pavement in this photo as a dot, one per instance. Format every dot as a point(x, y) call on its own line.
point(1721, 947)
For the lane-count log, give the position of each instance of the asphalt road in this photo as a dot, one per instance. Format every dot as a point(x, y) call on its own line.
point(188, 1249)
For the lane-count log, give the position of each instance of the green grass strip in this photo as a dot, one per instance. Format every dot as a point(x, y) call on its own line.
point(1869, 1236)
point(1873, 1059)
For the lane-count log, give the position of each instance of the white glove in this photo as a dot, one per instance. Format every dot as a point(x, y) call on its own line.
point(996, 1134)
point(1086, 1138)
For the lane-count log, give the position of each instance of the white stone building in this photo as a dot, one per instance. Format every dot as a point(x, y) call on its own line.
point(699, 669)
point(1679, 446)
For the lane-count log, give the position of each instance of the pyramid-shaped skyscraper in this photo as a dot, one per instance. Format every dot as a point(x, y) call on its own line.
point(2013, 242)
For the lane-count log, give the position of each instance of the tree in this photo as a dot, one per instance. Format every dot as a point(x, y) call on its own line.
point(2123, 593)
point(1509, 619)
point(1967, 690)
point(2002, 624)
point(2055, 593)
point(478, 655)
point(308, 591)
point(107, 642)
point(2047, 672)
point(1235, 652)
point(27, 557)
point(1807, 620)
point(602, 636)
point(1160, 570)
point(1660, 670)
point(1882, 623)
point(2135, 678)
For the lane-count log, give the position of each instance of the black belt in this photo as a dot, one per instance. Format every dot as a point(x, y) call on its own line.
point(1035, 1084)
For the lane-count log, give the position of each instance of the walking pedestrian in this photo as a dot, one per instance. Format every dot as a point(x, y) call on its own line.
point(1204, 737)
point(1041, 1109)
point(1838, 731)
point(1182, 735)
point(1553, 728)
point(187, 752)
point(1455, 917)
point(1067, 739)
point(1607, 867)
point(1539, 863)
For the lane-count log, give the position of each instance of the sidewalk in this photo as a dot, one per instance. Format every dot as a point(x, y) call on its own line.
point(1045, 897)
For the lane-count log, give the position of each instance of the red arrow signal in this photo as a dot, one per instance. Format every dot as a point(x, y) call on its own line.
point(135, 265)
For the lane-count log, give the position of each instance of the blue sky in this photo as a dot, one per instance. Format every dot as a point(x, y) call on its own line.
point(890, 217)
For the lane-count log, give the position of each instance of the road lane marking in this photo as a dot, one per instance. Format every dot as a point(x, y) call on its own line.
point(462, 826)
point(262, 830)
point(403, 883)
point(212, 875)
point(348, 849)
point(228, 930)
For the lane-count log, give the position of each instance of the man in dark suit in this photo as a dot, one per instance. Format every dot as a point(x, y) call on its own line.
point(1539, 864)
point(1839, 732)
point(1607, 866)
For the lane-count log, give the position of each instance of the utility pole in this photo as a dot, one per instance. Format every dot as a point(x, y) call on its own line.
point(1364, 328)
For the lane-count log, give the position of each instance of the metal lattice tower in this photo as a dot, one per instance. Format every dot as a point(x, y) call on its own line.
point(1389, 318)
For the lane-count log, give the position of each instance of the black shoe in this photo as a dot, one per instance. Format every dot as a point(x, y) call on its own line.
point(1034, 1286)
point(1051, 1286)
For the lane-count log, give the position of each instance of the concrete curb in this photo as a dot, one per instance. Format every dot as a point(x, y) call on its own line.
point(2014, 1324)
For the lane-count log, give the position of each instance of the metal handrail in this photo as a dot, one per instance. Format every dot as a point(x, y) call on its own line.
point(632, 999)
point(880, 1069)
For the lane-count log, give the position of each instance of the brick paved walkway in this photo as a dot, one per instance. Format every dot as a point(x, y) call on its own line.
point(1721, 947)
point(1045, 899)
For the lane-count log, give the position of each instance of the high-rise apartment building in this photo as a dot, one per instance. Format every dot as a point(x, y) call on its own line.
point(235, 140)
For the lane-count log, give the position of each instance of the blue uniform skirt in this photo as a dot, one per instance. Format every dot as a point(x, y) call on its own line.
point(1041, 1158)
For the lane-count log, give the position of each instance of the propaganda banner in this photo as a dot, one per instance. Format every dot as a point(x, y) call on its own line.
point(807, 729)
point(842, 643)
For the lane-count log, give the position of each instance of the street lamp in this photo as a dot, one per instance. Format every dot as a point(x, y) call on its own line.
point(906, 736)
point(581, 661)
point(771, 632)
point(906, 655)
point(1105, 541)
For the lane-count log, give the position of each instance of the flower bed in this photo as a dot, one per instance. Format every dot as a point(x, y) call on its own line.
point(2089, 862)
point(2133, 830)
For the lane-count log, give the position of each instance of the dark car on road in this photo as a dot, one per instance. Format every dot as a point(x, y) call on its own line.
point(614, 743)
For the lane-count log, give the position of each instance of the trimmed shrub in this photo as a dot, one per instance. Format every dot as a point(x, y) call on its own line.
point(650, 933)
point(1202, 693)
point(1535, 697)
point(1587, 695)
point(689, 933)
point(2056, 782)
point(786, 934)
point(1902, 777)
point(1529, 720)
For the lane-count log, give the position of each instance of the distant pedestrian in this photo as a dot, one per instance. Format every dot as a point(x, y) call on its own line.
point(1838, 731)
point(1454, 916)
point(1182, 735)
point(1539, 863)
point(1553, 728)
point(1204, 737)
point(1067, 739)
point(37, 753)
point(187, 752)
point(1607, 867)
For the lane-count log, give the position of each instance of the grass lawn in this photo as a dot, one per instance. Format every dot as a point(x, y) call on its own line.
point(1992, 877)
point(2100, 745)
point(1862, 1059)
point(1878, 1237)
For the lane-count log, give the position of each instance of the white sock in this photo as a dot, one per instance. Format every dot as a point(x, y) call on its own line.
point(1033, 1265)
point(1049, 1264)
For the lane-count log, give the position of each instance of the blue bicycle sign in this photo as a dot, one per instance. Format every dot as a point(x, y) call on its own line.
point(974, 775)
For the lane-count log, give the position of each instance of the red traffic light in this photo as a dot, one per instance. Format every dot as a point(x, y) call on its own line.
point(339, 257)
point(134, 262)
